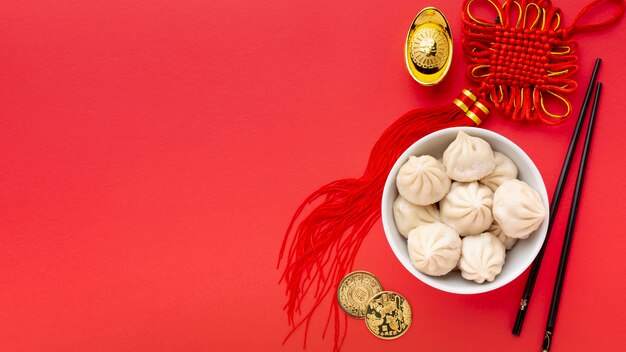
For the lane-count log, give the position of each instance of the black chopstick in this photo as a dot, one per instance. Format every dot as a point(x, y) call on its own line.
point(567, 242)
point(556, 199)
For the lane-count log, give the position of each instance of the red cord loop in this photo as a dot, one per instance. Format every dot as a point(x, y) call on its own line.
point(575, 28)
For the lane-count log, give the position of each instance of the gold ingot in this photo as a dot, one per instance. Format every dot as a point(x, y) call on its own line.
point(355, 290)
point(388, 315)
point(428, 47)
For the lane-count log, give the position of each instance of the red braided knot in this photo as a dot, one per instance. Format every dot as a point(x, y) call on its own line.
point(521, 59)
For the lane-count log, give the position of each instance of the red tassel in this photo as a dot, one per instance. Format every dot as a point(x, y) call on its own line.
point(325, 242)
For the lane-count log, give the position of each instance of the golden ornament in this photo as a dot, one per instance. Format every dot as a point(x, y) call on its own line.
point(428, 47)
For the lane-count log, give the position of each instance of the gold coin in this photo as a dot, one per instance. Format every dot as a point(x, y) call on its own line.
point(355, 290)
point(388, 315)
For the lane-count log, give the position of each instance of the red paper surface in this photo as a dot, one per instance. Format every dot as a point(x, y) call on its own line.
point(152, 153)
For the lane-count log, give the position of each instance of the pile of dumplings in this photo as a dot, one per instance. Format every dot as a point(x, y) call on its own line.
point(464, 211)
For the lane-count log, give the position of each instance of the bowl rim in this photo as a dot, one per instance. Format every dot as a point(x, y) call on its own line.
point(433, 281)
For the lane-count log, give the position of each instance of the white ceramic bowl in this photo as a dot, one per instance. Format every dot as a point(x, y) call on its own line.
point(517, 259)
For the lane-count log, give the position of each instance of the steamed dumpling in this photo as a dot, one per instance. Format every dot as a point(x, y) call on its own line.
point(468, 158)
point(518, 208)
point(467, 208)
point(409, 216)
point(434, 249)
point(482, 258)
point(507, 241)
point(505, 170)
point(422, 180)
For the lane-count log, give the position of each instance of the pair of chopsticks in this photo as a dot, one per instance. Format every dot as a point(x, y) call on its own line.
point(556, 199)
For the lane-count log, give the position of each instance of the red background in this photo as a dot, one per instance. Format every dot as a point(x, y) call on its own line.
point(152, 153)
